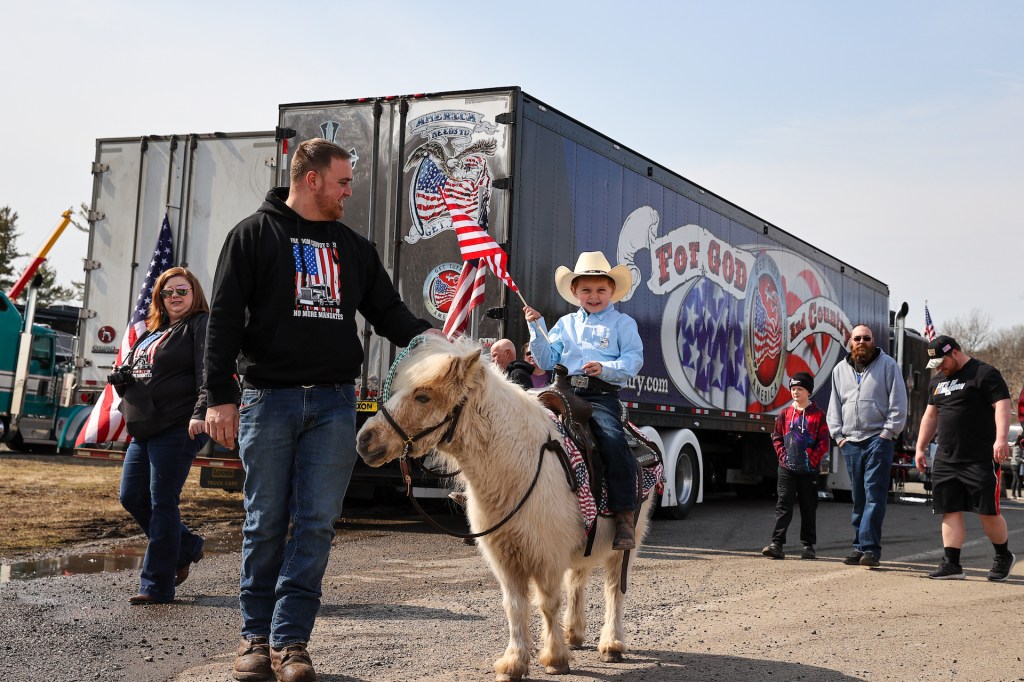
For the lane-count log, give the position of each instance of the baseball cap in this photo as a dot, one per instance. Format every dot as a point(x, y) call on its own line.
point(803, 380)
point(940, 347)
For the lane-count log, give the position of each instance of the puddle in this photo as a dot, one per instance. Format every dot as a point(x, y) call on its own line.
point(125, 557)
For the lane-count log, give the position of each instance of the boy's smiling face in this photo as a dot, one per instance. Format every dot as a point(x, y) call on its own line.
point(593, 293)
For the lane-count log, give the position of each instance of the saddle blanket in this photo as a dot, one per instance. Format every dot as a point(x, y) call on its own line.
point(653, 479)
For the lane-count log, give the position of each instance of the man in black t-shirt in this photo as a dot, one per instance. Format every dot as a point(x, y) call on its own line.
point(969, 406)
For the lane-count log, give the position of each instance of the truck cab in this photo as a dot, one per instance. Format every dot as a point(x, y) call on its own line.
point(40, 423)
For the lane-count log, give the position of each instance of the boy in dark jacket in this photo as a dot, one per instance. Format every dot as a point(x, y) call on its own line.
point(801, 439)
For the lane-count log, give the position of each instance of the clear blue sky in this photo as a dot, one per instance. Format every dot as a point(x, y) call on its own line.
point(886, 133)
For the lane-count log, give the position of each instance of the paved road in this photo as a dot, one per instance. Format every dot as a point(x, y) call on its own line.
point(403, 603)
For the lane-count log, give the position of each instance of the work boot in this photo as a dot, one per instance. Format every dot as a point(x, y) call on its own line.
point(624, 537)
point(253, 660)
point(292, 663)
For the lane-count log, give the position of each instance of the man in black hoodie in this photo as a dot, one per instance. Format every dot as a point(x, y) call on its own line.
point(289, 282)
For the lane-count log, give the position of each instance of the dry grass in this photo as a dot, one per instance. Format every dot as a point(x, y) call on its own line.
point(53, 501)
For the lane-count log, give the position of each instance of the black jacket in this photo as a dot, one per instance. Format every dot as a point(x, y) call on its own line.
point(167, 373)
point(286, 295)
point(519, 371)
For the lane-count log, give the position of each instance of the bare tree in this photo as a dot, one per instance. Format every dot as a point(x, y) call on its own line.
point(972, 331)
point(1005, 352)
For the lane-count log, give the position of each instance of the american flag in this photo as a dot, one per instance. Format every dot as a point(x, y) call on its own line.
point(474, 242)
point(106, 423)
point(430, 182)
point(469, 293)
point(317, 266)
point(929, 328)
point(433, 187)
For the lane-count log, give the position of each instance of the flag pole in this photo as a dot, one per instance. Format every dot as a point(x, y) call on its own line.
point(539, 328)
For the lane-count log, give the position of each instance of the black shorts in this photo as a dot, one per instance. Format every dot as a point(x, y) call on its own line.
point(965, 487)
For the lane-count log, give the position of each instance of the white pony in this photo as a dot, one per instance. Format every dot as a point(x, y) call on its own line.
point(497, 440)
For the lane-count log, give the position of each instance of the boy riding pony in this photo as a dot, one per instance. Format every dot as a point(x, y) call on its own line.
point(601, 348)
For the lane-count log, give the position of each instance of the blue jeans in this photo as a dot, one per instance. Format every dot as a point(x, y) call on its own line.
point(869, 464)
point(619, 464)
point(154, 472)
point(298, 446)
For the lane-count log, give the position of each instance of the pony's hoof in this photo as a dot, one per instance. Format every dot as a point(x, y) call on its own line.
point(612, 657)
point(562, 669)
point(574, 640)
point(509, 669)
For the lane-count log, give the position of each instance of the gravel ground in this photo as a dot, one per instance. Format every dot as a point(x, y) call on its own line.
point(404, 603)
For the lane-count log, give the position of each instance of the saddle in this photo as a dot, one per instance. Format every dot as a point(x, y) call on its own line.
point(574, 413)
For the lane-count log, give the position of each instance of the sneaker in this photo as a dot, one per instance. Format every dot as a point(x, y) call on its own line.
point(253, 660)
point(292, 663)
point(808, 552)
point(1001, 566)
point(869, 559)
point(948, 571)
point(774, 551)
point(853, 559)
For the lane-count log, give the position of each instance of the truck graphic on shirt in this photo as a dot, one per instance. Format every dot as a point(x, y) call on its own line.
point(317, 295)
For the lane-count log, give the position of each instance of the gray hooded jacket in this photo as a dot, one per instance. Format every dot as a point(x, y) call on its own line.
point(871, 404)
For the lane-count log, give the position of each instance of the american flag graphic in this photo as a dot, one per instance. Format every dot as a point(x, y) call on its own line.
point(471, 193)
point(469, 293)
point(442, 293)
point(767, 323)
point(711, 347)
point(317, 284)
point(474, 242)
point(106, 423)
point(929, 328)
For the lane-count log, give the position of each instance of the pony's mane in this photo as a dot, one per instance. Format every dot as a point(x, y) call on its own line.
point(432, 358)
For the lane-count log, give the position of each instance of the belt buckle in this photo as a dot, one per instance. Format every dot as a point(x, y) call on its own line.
point(579, 381)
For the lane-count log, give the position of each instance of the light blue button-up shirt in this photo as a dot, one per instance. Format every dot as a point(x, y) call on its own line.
point(608, 337)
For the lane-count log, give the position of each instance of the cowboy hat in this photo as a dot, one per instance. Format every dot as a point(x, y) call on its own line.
point(592, 264)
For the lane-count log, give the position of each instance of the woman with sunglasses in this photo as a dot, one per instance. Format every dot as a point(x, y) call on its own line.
point(539, 377)
point(159, 384)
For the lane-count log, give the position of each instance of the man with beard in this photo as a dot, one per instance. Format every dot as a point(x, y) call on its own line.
point(969, 406)
point(289, 282)
point(866, 412)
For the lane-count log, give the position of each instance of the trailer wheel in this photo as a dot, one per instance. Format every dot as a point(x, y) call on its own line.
point(686, 482)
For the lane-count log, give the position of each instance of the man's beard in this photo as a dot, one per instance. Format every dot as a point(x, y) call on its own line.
point(862, 354)
point(331, 209)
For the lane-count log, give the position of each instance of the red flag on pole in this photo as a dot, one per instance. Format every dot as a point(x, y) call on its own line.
point(475, 242)
point(106, 423)
point(469, 293)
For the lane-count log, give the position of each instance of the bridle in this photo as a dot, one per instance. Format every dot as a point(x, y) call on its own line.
point(452, 420)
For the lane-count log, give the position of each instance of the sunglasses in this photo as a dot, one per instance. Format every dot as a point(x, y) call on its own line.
point(180, 291)
point(862, 338)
